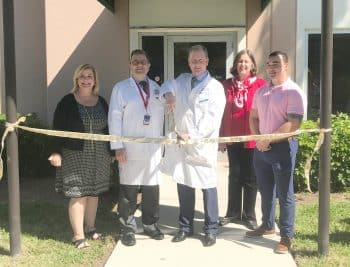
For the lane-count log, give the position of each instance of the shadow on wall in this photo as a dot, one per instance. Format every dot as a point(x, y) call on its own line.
point(105, 46)
point(29, 33)
point(259, 33)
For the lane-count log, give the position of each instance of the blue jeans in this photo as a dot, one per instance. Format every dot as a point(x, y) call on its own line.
point(274, 172)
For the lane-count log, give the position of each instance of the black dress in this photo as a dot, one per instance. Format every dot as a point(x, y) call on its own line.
point(86, 172)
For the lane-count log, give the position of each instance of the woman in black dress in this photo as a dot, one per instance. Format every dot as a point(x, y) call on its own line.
point(83, 166)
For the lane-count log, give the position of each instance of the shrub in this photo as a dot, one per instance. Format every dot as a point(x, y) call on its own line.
point(340, 155)
point(33, 149)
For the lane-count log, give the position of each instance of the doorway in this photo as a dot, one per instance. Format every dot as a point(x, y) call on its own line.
point(168, 52)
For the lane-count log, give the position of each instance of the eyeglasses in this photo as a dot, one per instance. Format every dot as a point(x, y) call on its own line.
point(141, 62)
point(198, 62)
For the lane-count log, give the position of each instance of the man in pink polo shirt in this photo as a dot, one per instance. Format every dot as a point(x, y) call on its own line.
point(277, 107)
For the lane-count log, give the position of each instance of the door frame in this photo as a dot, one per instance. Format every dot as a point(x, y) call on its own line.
point(235, 38)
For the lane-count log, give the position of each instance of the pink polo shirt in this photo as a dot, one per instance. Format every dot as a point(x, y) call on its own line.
point(273, 103)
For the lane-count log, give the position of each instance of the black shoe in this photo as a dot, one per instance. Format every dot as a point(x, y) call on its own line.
point(250, 224)
point(226, 220)
point(128, 239)
point(209, 240)
point(153, 232)
point(180, 236)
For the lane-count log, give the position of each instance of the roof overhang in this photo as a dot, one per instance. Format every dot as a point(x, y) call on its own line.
point(109, 4)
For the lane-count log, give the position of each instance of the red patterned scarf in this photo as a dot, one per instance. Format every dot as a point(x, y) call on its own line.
point(239, 91)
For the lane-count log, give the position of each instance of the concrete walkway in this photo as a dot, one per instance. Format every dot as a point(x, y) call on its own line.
point(232, 248)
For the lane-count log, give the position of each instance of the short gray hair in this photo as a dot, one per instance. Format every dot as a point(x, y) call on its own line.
point(198, 47)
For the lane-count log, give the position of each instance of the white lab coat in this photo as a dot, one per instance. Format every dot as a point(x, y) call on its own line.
point(198, 112)
point(125, 118)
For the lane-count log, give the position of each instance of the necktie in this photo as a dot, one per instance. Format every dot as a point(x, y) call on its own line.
point(144, 86)
point(193, 82)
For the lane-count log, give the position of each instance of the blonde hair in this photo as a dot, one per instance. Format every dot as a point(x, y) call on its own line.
point(77, 74)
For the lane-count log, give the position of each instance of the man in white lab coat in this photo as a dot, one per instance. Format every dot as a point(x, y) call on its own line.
point(136, 110)
point(199, 102)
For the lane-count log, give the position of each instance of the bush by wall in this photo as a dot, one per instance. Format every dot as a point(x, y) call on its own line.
point(340, 155)
point(33, 149)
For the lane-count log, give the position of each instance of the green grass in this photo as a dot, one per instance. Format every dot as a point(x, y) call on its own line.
point(46, 237)
point(46, 234)
point(305, 245)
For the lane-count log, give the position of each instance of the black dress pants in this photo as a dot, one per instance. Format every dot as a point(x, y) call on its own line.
point(187, 209)
point(128, 203)
point(242, 180)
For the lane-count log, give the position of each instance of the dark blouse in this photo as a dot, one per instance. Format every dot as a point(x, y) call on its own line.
point(67, 118)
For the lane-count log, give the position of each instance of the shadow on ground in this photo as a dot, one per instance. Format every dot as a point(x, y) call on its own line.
point(44, 213)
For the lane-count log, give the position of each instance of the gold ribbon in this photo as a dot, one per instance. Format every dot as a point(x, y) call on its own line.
point(9, 127)
point(307, 167)
point(164, 140)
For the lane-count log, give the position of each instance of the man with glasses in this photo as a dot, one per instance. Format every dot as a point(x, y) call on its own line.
point(278, 107)
point(199, 101)
point(136, 110)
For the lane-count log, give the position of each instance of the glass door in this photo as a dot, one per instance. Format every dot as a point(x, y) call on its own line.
point(154, 46)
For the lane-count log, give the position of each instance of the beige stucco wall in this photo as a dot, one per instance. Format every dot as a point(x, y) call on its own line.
point(258, 32)
point(83, 31)
point(185, 13)
point(30, 56)
point(283, 25)
point(274, 28)
point(54, 36)
point(29, 28)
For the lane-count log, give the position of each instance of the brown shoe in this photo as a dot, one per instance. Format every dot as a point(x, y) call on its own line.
point(283, 246)
point(260, 231)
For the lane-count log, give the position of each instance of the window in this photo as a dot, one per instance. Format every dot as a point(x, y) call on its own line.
point(341, 77)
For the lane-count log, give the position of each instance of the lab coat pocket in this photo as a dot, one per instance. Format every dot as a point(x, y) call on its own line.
point(195, 155)
point(202, 102)
point(136, 151)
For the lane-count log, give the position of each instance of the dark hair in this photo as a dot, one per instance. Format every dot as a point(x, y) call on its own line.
point(253, 70)
point(198, 47)
point(139, 52)
point(279, 53)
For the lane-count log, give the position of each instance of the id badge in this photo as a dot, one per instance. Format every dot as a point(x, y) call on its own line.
point(156, 93)
point(146, 119)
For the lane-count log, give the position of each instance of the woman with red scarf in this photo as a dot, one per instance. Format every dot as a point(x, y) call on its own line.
point(239, 92)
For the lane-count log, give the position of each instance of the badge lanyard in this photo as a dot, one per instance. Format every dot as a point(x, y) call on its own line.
point(147, 117)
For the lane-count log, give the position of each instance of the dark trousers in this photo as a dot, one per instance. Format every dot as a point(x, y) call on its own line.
point(241, 181)
point(274, 171)
point(187, 208)
point(128, 203)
